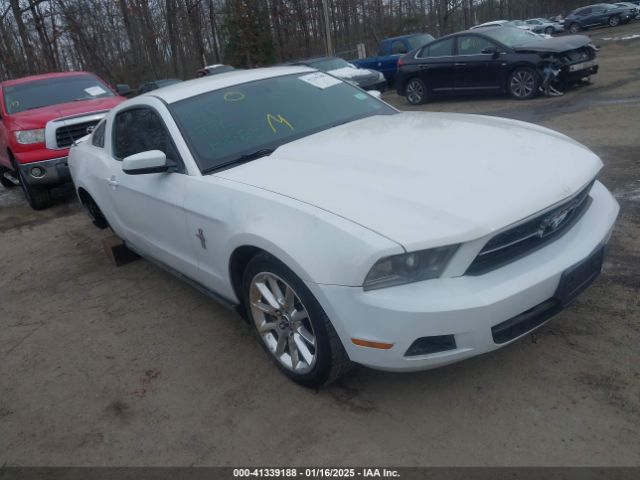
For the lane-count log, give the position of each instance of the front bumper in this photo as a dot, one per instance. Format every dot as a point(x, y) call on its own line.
point(578, 71)
point(381, 86)
point(465, 308)
point(46, 172)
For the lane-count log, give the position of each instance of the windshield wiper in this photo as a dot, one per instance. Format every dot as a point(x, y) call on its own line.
point(247, 157)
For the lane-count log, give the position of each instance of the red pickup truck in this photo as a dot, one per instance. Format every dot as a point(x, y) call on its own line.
point(40, 118)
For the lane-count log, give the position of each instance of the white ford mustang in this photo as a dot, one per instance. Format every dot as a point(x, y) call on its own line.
point(344, 230)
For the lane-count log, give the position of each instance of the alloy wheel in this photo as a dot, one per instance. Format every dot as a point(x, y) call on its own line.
point(283, 322)
point(614, 21)
point(415, 92)
point(522, 83)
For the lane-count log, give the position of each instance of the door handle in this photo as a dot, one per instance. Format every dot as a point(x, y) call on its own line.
point(112, 181)
point(459, 64)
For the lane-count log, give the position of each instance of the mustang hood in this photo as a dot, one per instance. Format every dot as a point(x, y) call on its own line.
point(427, 179)
point(554, 44)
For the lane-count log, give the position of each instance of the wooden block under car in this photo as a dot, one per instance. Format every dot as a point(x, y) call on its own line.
point(118, 252)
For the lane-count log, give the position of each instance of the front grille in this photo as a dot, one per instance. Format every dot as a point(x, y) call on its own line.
point(530, 235)
point(66, 135)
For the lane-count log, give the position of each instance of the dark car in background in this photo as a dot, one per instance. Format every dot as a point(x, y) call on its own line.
point(361, 77)
point(492, 59)
point(389, 52)
point(598, 15)
point(631, 8)
point(155, 84)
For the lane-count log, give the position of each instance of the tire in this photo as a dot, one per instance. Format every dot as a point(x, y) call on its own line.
point(549, 30)
point(297, 329)
point(614, 21)
point(523, 83)
point(94, 213)
point(574, 28)
point(5, 182)
point(38, 198)
point(416, 91)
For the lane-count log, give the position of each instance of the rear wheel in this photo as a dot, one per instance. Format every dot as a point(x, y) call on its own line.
point(416, 91)
point(292, 326)
point(523, 83)
point(614, 21)
point(574, 28)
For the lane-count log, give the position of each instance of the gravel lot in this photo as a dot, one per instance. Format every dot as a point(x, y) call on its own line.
point(128, 366)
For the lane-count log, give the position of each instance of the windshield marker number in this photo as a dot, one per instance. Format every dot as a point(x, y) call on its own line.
point(278, 119)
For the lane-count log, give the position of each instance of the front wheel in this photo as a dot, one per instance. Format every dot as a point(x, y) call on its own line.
point(38, 198)
point(292, 326)
point(549, 30)
point(574, 28)
point(416, 91)
point(523, 83)
point(614, 21)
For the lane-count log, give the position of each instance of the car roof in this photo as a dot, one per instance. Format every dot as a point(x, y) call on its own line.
point(310, 60)
point(191, 88)
point(44, 76)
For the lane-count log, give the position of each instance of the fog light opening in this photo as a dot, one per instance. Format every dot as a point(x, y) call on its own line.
point(38, 172)
point(428, 345)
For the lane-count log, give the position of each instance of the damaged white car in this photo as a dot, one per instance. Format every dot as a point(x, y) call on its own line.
point(342, 229)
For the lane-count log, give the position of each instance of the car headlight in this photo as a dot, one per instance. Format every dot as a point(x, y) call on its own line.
point(380, 76)
point(409, 267)
point(26, 137)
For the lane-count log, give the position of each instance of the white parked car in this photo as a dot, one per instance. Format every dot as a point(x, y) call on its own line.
point(345, 230)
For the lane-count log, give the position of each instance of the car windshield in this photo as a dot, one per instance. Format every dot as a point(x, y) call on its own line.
point(52, 91)
point(223, 126)
point(510, 36)
point(329, 64)
point(418, 41)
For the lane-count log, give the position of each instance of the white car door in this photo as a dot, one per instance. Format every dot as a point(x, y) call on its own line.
point(148, 209)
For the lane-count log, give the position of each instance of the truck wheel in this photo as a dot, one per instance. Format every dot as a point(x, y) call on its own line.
point(523, 83)
point(574, 28)
point(416, 91)
point(292, 326)
point(614, 21)
point(37, 198)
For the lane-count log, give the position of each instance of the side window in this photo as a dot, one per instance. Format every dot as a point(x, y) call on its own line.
point(139, 130)
point(584, 11)
point(472, 45)
point(443, 48)
point(97, 140)
point(398, 47)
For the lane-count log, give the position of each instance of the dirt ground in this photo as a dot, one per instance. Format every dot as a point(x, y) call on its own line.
point(128, 366)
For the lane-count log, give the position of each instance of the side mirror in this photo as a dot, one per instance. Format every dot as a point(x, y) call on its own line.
point(152, 161)
point(123, 89)
point(375, 93)
point(491, 51)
